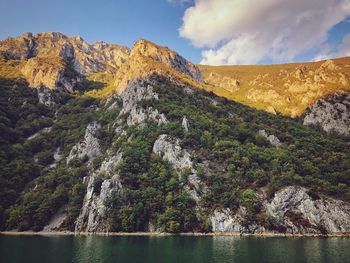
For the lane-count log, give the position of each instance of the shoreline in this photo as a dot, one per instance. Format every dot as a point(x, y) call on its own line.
point(163, 234)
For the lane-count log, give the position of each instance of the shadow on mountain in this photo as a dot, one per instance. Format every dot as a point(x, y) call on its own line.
point(88, 85)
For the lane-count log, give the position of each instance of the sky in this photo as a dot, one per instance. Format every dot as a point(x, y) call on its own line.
point(216, 32)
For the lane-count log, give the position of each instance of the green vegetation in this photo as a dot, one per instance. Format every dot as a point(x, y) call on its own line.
point(29, 192)
point(226, 135)
point(153, 192)
point(231, 158)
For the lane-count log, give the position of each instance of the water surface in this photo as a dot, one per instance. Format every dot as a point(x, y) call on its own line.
point(32, 249)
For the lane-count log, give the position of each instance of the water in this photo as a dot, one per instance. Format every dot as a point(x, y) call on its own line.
point(32, 249)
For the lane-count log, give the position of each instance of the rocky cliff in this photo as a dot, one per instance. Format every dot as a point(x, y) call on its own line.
point(292, 211)
point(331, 114)
point(57, 61)
point(85, 58)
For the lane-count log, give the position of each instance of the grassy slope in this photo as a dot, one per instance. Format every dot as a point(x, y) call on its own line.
point(248, 73)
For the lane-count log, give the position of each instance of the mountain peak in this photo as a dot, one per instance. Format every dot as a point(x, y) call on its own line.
point(147, 58)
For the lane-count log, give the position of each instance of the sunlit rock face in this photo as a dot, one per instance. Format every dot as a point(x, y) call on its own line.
point(166, 57)
point(56, 61)
point(288, 89)
point(147, 58)
point(85, 58)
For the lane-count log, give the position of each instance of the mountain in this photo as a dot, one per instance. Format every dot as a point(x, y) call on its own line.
point(288, 89)
point(101, 138)
point(55, 61)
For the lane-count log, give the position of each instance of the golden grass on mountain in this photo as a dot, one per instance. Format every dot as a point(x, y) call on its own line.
point(285, 88)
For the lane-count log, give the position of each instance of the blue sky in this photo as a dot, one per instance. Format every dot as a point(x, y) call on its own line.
point(206, 34)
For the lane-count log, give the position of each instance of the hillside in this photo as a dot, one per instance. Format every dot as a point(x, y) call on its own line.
point(287, 88)
point(143, 146)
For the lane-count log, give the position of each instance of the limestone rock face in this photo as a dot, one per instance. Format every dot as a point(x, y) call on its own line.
point(271, 138)
point(56, 61)
point(45, 96)
point(109, 164)
point(94, 212)
point(50, 73)
point(223, 221)
point(89, 147)
point(294, 210)
point(330, 214)
point(135, 93)
point(147, 59)
point(332, 114)
point(100, 185)
point(169, 149)
point(132, 96)
point(84, 57)
point(140, 115)
point(167, 57)
point(185, 124)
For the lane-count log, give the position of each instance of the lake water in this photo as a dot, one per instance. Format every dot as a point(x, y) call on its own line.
point(40, 249)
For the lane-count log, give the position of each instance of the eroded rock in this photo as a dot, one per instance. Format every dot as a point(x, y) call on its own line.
point(292, 210)
point(271, 138)
point(89, 147)
point(326, 213)
point(94, 213)
point(169, 149)
point(332, 114)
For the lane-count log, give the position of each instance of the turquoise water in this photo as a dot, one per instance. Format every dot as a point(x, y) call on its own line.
point(39, 249)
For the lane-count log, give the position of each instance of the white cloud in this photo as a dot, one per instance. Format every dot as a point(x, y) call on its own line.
point(246, 31)
point(343, 50)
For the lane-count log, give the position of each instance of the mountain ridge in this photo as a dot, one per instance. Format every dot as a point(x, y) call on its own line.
point(288, 89)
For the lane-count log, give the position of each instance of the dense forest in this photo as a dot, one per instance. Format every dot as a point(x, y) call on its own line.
point(233, 159)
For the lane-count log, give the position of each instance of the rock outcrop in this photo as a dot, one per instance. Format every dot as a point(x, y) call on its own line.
point(84, 57)
point(273, 140)
point(132, 96)
point(331, 114)
point(46, 96)
point(291, 209)
point(222, 221)
point(169, 149)
point(94, 213)
point(185, 124)
point(147, 59)
point(88, 148)
point(100, 186)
